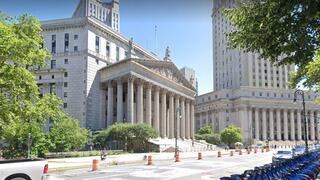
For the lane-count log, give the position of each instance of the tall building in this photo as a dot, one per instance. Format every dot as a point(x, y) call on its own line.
point(251, 93)
point(104, 78)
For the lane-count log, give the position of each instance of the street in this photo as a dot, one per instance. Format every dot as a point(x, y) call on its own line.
point(210, 167)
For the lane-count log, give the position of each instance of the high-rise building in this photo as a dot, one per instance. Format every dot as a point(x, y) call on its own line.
point(252, 93)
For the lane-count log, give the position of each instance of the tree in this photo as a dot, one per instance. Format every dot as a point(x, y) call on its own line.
point(206, 133)
point(136, 135)
point(205, 130)
point(231, 135)
point(285, 32)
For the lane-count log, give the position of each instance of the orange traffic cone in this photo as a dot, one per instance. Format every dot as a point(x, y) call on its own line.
point(149, 160)
point(199, 155)
point(219, 154)
point(255, 150)
point(95, 164)
point(177, 157)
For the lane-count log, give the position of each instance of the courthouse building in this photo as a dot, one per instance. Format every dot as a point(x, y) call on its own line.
point(104, 77)
point(252, 93)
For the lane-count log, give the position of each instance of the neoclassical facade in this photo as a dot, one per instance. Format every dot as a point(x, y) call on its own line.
point(151, 92)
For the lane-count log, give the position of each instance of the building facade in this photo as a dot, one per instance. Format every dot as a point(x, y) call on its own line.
point(93, 66)
point(252, 93)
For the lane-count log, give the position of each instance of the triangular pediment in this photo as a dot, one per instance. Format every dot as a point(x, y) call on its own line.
point(166, 69)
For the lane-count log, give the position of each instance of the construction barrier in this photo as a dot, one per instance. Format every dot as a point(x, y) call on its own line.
point(149, 160)
point(219, 154)
point(95, 164)
point(177, 158)
point(231, 153)
point(199, 155)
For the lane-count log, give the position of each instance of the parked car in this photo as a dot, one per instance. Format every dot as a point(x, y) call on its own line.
point(23, 169)
point(298, 150)
point(282, 155)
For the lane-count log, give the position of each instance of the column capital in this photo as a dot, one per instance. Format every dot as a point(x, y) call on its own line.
point(148, 85)
point(171, 94)
point(177, 96)
point(157, 88)
point(183, 99)
point(163, 91)
point(119, 80)
point(109, 83)
point(131, 78)
point(140, 82)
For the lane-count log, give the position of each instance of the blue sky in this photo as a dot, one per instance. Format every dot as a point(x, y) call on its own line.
point(183, 25)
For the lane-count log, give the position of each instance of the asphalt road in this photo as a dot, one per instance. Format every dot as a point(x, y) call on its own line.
point(187, 169)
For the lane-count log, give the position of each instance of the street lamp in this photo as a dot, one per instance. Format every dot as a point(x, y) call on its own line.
point(300, 92)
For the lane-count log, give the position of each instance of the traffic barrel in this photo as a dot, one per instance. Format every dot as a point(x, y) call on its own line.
point(149, 160)
point(199, 155)
point(255, 150)
point(177, 158)
point(248, 151)
point(240, 152)
point(231, 153)
point(219, 154)
point(95, 164)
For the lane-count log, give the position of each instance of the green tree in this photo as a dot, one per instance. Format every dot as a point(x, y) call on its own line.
point(285, 32)
point(231, 135)
point(205, 130)
point(136, 135)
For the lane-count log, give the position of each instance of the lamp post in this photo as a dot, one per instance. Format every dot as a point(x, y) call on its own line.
point(178, 116)
point(300, 92)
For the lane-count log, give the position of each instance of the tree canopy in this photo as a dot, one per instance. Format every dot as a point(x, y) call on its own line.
point(231, 135)
point(285, 32)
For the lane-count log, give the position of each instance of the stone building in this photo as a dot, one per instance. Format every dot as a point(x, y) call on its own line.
point(252, 93)
point(104, 77)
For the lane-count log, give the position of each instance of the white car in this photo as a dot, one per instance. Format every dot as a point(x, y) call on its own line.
point(282, 155)
point(23, 169)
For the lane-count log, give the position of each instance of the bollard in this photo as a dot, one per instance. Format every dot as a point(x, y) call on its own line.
point(219, 154)
point(177, 157)
point(149, 160)
point(231, 153)
point(95, 164)
point(199, 155)
point(240, 152)
point(255, 150)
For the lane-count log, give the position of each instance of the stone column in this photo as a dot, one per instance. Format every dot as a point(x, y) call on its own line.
point(249, 124)
point(148, 104)
point(110, 104)
point(312, 133)
point(163, 120)
point(200, 120)
point(271, 124)
point(292, 129)
point(177, 116)
point(318, 126)
point(183, 119)
point(171, 115)
point(156, 117)
point(213, 121)
point(119, 100)
point(140, 102)
point(130, 109)
point(256, 123)
point(264, 124)
point(188, 119)
point(192, 119)
point(278, 125)
point(285, 124)
point(299, 129)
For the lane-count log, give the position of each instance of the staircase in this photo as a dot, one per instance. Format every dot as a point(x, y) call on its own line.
point(184, 145)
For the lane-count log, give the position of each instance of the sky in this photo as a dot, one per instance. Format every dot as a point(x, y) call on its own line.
point(183, 25)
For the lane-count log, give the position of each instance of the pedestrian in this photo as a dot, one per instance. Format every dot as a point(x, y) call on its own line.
point(103, 154)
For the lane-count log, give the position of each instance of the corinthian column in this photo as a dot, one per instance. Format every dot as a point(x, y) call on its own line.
point(148, 104)
point(271, 126)
point(192, 119)
point(264, 124)
point(163, 120)
point(299, 125)
point(110, 104)
point(119, 100)
point(256, 123)
point(188, 119)
point(183, 119)
point(171, 116)
point(285, 124)
point(156, 102)
point(278, 125)
point(130, 110)
point(318, 126)
point(140, 102)
point(292, 129)
point(312, 133)
point(177, 116)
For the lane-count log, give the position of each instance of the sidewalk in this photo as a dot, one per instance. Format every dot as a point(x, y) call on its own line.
point(64, 164)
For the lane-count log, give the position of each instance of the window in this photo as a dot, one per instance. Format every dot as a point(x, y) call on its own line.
point(65, 74)
point(40, 77)
point(75, 48)
point(66, 61)
point(65, 84)
point(52, 77)
point(117, 54)
point(108, 49)
point(65, 105)
point(52, 88)
point(66, 42)
point(97, 43)
point(65, 94)
point(53, 43)
point(97, 61)
point(75, 37)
